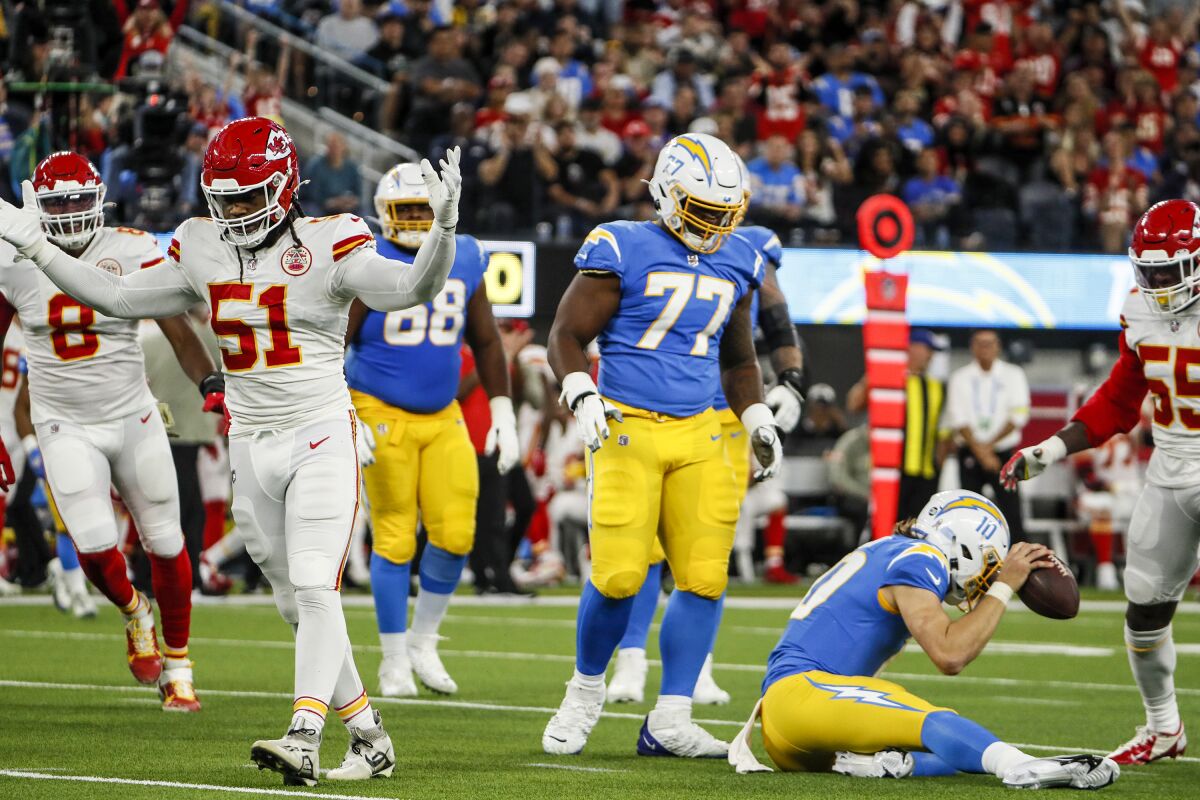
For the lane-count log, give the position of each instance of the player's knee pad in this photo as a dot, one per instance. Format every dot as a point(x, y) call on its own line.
point(706, 579)
point(164, 540)
point(94, 539)
point(1148, 617)
point(619, 584)
point(393, 537)
point(285, 601)
point(70, 463)
point(454, 536)
point(317, 601)
point(252, 533)
point(1144, 589)
point(155, 471)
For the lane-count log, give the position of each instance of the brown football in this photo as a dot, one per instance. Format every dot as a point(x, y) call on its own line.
point(1052, 591)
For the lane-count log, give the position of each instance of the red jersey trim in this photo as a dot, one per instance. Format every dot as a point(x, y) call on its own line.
point(346, 246)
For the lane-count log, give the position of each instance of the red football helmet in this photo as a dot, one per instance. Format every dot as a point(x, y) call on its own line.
point(250, 164)
point(1164, 249)
point(70, 197)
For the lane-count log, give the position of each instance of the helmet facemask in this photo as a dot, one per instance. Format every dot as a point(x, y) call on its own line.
point(701, 225)
point(401, 223)
point(969, 588)
point(1168, 283)
point(247, 230)
point(71, 217)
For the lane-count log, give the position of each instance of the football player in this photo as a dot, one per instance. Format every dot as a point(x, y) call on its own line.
point(96, 422)
point(403, 369)
point(770, 312)
point(821, 708)
point(670, 303)
point(1159, 344)
point(279, 286)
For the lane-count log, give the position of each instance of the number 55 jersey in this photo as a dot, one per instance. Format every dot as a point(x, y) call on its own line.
point(83, 366)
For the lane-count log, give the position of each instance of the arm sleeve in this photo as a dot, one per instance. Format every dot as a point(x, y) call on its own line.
point(1116, 405)
point(920, 565)
point(153, 293)
point(384, 284)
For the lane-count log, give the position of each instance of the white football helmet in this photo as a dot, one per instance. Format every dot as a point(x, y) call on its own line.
point(403, 187)
point(698, 190)
point(972, 534)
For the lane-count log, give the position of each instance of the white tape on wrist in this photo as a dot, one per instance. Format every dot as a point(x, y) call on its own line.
point(576, 384)
point(501, 407)
point(1001, 591)
point(756, 416)
point(1053, 449)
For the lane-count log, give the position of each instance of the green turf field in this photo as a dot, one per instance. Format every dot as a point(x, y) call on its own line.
point(77, 726)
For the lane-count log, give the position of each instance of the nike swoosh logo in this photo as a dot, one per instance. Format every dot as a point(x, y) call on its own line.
point(146, 417)
point(714, 438)
point(936, 580)
point(735, 434)
point(555, 738)
point(315, 445)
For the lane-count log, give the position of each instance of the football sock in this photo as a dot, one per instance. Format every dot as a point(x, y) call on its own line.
point(106, 571)
point(321, 643)
point(644, 605)
point(66, 553)
point(717, 624)
point(601, 624)
point(308, 716)
point(394, 645)
point(674, 702)
point(927, 765)
point(688, 630)
point(349, 697)
point(538, 532)
point(774, 535)
point(389, 585)
point(589, 681)
point(1102, 542)
point(439, 574)
point(214, 522)
point(1152, 658)
point(172, 582)
point(1000, 757)
point(958, 741)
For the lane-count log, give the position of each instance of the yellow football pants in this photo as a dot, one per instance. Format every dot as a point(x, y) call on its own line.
point(807, 718)
point(424, 463)
point(664, 478)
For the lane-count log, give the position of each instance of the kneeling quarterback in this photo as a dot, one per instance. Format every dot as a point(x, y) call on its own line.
point(822, 710)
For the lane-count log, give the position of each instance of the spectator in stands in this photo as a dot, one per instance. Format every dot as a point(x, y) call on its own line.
point(861, 126)
point(1159, 48)
point(586, 191)
point(776, 86)
point(824, 167)
point(419, 25)
point(194, 146)
point(13, 121)
point(734, 101)
point(823, 420)
point(634, 169)
point(777, 186)
point(914, 133)
point(263, 95)
point(1115, 195)
point(987, 406)
point(835, 89)
point(683, 72)
point(850, 476)
point(574, 79)
point(389, 55)
point(933, 198)
point(592, 135)
point(334, 182)
point(147, 31)
point(347, 33)
point(441, 79)
point(684, 111)
point(515, 173)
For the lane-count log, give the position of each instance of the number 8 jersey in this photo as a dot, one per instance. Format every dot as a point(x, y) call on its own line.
point(83, 366)
point(410, 359)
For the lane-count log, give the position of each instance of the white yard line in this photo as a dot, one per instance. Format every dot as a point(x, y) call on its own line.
point(574, 768)
point(195, 787)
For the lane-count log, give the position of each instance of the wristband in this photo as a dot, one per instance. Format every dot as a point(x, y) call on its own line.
point(212, 382)
point(795, 378)
point(29, 443)
point(1001, 591)
point(576, 386)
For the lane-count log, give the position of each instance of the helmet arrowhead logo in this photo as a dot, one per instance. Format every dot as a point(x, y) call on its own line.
point(277, 147)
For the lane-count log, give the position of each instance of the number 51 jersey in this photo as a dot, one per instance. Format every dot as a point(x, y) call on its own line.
point(83, 366)
point(411, 359)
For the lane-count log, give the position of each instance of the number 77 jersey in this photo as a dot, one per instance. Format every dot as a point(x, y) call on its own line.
point(660, 350)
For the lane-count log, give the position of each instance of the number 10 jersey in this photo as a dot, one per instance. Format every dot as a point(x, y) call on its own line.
point(84, 367)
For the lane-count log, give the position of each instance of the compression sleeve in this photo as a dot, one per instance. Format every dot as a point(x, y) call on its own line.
point(387, 285)
point(151, 293)
point(1116, 405)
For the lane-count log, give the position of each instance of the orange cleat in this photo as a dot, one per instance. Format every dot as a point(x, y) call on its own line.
point(176, 690)
point(145, 660)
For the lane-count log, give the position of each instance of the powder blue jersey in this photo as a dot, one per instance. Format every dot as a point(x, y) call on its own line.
point(411, 358)
point(767, 243)
point(660, 350)
point(844, 626)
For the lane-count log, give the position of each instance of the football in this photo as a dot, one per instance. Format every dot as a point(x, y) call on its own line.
point(1052, 591)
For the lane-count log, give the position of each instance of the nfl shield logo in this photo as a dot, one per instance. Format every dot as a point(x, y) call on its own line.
point(622, 440)
point(693, 260)
point(54, 427)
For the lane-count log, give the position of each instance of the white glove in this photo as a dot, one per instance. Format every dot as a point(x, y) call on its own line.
point(364, 443)
point(591, 411)
point(503, 435)
point(1030, 462)
point(760, 423)
point(787, 405)
point(22, 227)
point(443, 192)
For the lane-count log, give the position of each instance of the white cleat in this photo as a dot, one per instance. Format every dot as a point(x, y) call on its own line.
point(1106, 578)
point(707, 693)
point(1147, 746)
point(396, 678)
point(672, 733)
point(83, 606)
point(884, 764)
point(296, 756)
point(628, 684)
point(1063, 772)
point(60, 591)
point(568, 730)
point(422, 652)
point(370, 755)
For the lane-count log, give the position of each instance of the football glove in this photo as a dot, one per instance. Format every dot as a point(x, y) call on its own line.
point(364, 443)
point(443, 192)
point(22, 227)
point(1029, 462)
point(212, 389)
point(786, 399)
point(502, 437)
point(8, 475)
point(764, 440)
point(592, 412)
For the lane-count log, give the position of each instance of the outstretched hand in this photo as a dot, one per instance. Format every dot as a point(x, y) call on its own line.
point(444, 191)
point(22, 227)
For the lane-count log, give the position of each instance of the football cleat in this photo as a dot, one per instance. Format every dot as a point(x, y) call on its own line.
point(707, 693)
point(1106, 578)
point(628, 684)
point(59, 590)
point(1063, 772)
point(779, 574)
point(568, 730)
point(82, 605)
point(396, 678)
point(10, 589)
point(212, 580)
point(296, 756)
point(1147, 745)
point(176, 689)
point(672, 733)
point(145, 660)
point(884, 764)
point(422, 652)
point(370, 755)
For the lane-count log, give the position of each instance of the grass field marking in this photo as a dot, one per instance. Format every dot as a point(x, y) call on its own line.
point(574, 768)
point(199, 787)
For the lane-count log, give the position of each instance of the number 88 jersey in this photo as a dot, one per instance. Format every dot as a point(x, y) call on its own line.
point(83, 366)
point(410, 359)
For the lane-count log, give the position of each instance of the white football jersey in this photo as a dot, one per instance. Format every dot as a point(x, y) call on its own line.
point(10, 373)
point(280, 324)
point(84, 367)
point(1169, 350)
